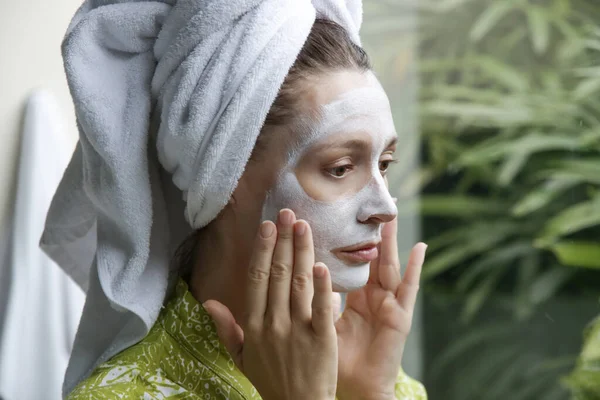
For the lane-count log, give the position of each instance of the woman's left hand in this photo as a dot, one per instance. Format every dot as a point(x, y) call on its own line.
point(376, 321)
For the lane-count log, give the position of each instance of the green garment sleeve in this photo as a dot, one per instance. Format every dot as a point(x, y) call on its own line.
point(408, 388)
point(105, 387)
point(123, 391)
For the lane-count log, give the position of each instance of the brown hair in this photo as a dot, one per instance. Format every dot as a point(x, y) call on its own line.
point(328, 48)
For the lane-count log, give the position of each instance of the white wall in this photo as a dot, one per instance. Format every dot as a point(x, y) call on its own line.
point(30, 36)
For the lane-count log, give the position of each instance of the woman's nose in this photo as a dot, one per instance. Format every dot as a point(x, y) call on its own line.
point(381, 218)
point(379, 207)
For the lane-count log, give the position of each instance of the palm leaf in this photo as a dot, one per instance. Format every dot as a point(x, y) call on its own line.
point(539, 29)
point(489, 19)
point(543, 195)
point(571, 220)
point(577, 253)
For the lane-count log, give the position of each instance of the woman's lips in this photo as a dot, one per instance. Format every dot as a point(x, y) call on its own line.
point(358, 254)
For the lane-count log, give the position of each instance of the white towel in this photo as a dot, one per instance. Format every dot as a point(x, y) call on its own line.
point(43, 305)
point(207, 71)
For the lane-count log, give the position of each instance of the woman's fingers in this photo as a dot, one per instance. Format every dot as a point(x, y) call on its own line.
point(374, 268)
point(322, 307)
point(280, 279)
point(280, 294)
point(230, 333)
point(302, 275)
point(409, 287)
point(258, 275)
point(284, 282)
point(389, 264)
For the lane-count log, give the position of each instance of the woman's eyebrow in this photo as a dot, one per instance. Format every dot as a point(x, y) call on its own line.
point(352, 144)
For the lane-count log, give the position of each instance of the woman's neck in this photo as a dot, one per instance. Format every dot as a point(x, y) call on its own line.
point(219, 272)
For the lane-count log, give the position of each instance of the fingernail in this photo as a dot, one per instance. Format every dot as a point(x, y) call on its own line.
point(300, 228)
point(319, 270)
point(286, 216)
point(266, 230)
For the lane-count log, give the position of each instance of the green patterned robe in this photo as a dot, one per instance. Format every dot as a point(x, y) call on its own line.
point(182, 358)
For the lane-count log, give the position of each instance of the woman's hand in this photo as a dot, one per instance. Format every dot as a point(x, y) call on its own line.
point(376, 322)
point(286, 344)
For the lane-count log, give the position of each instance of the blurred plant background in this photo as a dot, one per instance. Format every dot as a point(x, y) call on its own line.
point(509, 115)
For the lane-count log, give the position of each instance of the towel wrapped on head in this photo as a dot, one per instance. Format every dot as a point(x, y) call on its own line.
point(170, 96)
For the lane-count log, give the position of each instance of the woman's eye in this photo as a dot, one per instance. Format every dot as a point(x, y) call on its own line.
point(339, 172)
point(385, 164)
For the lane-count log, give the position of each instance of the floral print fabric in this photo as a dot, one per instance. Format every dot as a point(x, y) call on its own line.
point(182, 358)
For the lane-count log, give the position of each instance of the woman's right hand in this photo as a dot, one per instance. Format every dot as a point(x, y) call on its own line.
point(286, 343)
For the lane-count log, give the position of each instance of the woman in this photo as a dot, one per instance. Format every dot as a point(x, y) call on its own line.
point(266, 327)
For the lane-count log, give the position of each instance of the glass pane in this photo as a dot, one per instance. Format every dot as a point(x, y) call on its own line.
point(497, 103)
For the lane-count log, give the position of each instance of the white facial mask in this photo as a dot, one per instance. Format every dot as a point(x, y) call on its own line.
point(343, 222)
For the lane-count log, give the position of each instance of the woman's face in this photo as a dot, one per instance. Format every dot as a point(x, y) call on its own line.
point(329, 167)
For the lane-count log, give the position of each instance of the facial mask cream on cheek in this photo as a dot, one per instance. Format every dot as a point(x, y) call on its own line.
point(334, 225)
point(340, 223)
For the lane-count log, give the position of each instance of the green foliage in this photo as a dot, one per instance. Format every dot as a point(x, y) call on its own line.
point(510, 119)
point(585, 380)
point(581, 254)
point(510, 113)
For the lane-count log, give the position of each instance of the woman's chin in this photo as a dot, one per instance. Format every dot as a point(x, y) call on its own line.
point(346, 279)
